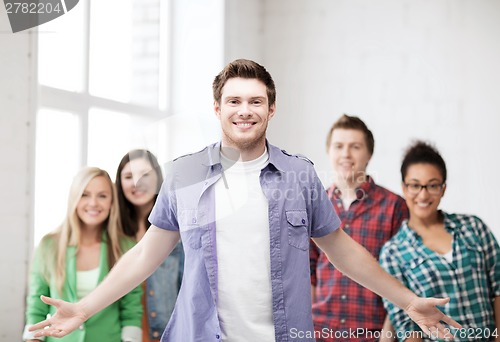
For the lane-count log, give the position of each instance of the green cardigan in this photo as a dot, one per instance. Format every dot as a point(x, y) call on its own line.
point(106, 325)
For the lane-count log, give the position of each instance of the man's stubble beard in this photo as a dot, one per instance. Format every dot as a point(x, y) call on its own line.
point(246, 145)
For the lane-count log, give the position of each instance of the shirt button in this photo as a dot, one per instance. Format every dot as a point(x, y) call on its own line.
point(347, 226)
point(156, 334)
point(153, 314)
point(194, 220)
point(217, 336)
point(343, 297)
point(303, 221)
point(151, 292)
point(80, 327)
point(342, 320)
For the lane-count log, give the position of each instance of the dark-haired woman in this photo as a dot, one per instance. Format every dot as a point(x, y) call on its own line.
point(138, 180)
point(436, 254)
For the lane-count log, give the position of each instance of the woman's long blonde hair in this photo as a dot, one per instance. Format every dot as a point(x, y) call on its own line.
point(69, 232)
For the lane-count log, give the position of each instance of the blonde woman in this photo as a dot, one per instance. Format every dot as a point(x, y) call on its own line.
point(70, 262)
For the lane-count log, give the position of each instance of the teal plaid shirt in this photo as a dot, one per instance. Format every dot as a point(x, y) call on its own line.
point(471, 280)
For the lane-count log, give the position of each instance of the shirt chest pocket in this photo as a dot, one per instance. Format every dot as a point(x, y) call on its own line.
point(419, 272)
point(190, 229)
point(298, 233)
point(472, 257)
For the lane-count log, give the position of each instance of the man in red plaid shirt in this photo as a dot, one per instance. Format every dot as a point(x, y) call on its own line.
point(342, 309)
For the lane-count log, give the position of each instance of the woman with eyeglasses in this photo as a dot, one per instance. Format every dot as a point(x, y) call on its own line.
point(437, 254)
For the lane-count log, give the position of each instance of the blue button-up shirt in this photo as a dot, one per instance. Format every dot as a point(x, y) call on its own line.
point(298, 209)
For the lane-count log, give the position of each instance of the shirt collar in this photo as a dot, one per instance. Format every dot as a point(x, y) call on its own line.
point(408, 234)
point(213, 154)
point(276, 156)
point(412, 236)
point(362, 191)
point(449, 225)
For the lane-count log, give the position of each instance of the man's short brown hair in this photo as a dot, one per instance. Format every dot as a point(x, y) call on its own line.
point(244, 68)
point(352, 122)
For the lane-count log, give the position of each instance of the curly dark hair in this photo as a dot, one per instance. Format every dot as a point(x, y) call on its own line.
point(421, 152)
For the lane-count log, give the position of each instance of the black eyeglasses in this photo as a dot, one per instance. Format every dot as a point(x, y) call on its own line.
point(432, 189)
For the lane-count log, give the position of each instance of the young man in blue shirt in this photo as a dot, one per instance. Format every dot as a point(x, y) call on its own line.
point(245, 211)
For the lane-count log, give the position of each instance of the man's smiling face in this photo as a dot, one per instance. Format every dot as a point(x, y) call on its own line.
point(244, 113)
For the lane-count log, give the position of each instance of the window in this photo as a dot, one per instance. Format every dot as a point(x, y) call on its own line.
point(102, 87)
point(57, 159)
point(104, 73)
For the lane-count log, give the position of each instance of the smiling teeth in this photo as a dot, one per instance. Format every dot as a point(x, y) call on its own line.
point(244, 124)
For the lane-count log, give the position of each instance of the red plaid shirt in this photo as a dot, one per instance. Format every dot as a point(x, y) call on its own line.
point(341, 304)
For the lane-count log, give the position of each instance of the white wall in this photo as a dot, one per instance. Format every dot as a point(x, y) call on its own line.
point(410, 69)
point(197, 53)
point(17, 98)
point(245, 32)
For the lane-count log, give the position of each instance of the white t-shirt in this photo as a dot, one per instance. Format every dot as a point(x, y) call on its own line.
point(243, 253)
point(448, 256)
point(86, 281)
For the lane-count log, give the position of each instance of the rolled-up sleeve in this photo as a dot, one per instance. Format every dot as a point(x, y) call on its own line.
point(324, 218)
point(492, 255)
point(164, 213)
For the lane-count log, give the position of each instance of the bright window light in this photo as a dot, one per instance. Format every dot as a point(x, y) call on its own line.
point(57, 161)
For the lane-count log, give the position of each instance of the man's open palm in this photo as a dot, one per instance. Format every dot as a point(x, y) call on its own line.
point(67, 318)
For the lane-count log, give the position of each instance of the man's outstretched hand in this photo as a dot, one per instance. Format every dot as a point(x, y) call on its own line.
point(68, 317)
point(424, 312)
